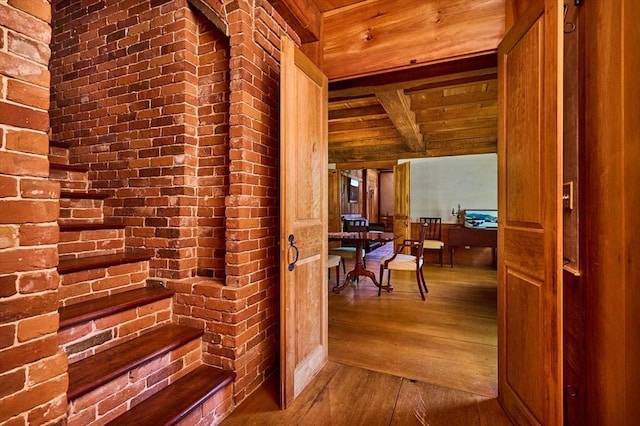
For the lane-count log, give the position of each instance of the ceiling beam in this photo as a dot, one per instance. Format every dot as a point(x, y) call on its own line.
point(396, 104)
point(386, 164)
point(358, 156)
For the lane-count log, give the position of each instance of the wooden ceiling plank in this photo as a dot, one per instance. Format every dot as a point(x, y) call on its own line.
point(346, 126)
point(456, 82)
point(459, 134)
point(422, 101)
point(358, 113)
point(408, 85)
point(454, 113)
point(467, 123)
point(355, 102)
point(448, 151)
point(396, 142)
point(462, 143)
point(396, 104)
point(363, 134)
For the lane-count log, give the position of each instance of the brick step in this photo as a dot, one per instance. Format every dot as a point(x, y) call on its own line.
point(81, 210)
point(86, 278)
point(59, 144)
point(82, 206)
point(95, 325)
point(164, 408)
point(78, 168)
point(99, 369)
point(99, 308)
point(85, 239)
point(84, 195)
point(68, 266)
point(90, 226)
point(70, 180)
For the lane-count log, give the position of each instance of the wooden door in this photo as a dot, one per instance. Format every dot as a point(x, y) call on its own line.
point(401, 201)
point(303, 223)
point(334, 200)
point(530, 229)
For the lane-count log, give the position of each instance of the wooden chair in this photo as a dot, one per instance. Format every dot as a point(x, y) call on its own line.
point(434, 235)
point(355, 225)
point(406, 262)
point(334, 261)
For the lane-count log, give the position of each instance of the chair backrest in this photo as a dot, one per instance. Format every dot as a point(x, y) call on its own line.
point(355, 225)
point(424, 230)
point(434, 227)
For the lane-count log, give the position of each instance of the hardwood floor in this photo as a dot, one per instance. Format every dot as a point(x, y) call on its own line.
point(398, 360)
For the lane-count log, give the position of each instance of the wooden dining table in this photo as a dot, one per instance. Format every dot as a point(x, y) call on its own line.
point(359, 239)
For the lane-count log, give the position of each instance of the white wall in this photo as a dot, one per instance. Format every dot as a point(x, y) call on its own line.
point(440, 184)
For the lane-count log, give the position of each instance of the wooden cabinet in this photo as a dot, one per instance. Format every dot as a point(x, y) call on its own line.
point(472, 237)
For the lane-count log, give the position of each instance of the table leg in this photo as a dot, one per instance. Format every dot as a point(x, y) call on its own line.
point(360, 271)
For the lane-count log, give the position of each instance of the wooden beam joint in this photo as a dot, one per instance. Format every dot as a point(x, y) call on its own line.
point(396, 104)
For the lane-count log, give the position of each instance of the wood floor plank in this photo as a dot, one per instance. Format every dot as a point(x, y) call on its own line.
point(339, 395)
point(355, 396)
point(428, 404)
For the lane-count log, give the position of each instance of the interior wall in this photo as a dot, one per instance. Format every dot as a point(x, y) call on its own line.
point(440, 184)
point(386, 193)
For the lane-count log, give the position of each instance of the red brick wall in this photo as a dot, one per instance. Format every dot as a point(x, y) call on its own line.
point(33, 376)
point(213, 147)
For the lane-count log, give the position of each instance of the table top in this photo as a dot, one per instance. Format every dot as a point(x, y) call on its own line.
point(361, 236)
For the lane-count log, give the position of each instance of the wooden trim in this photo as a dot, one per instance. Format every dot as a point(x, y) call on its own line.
point(303, 16)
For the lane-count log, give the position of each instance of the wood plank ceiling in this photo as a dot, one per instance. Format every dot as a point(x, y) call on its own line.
point(382, 119)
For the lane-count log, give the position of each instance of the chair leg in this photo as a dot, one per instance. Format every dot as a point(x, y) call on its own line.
point(381, 278)
point(344, 268)
point(419, 282)
point(424, 283)
point(338, 274)
point(441, 250)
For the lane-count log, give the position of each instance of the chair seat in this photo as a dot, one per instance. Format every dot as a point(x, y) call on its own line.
point(402, 262)
point(333, 261)
point(345, 252)
point(433, 244)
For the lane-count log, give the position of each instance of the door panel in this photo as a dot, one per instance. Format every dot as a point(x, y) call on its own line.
point(529, 152)
point(402, 201)
point(303, 227)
